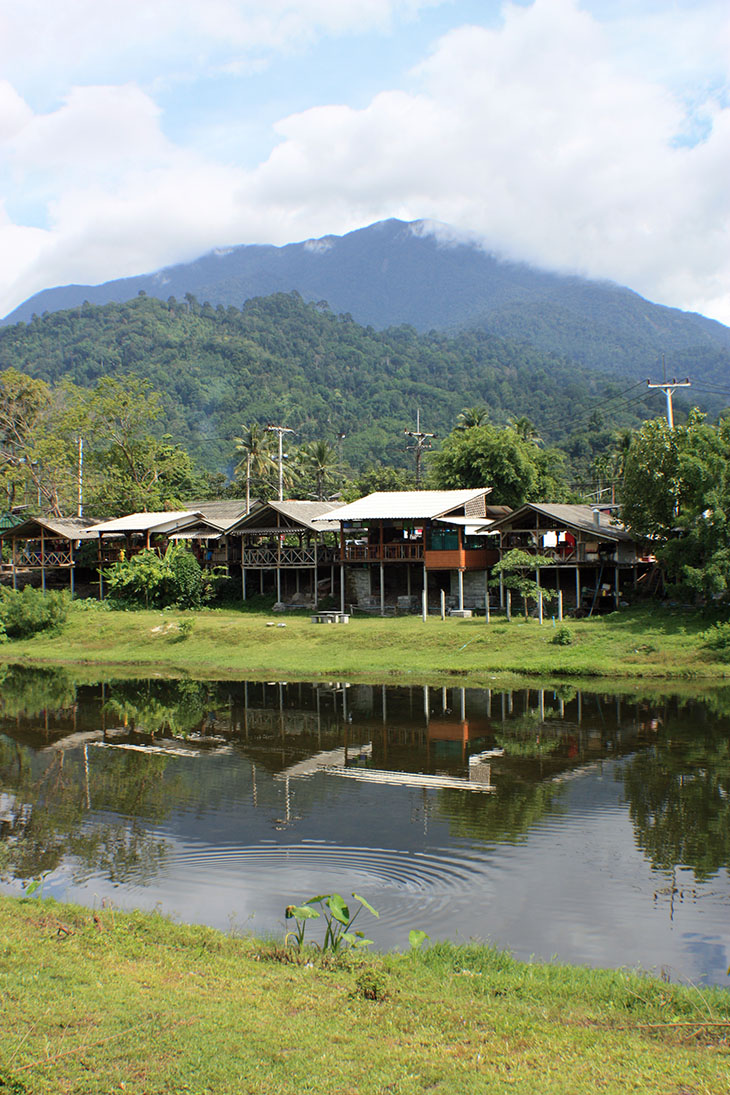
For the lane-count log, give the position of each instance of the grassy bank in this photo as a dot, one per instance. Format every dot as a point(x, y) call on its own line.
point(105, 1002)
point(647, 643)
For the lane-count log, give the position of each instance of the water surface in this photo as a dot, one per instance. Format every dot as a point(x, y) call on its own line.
point(586, 827)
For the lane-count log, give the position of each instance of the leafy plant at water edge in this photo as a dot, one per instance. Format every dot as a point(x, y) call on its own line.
point(29, 611)
point(717, 639)
point(338, 934)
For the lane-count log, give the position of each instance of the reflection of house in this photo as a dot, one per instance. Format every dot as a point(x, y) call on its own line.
point(392, 541)
point(591, 555)
point(47, 544)
point(283, 544)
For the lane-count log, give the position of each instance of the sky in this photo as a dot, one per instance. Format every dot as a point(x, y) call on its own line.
point(585, 136)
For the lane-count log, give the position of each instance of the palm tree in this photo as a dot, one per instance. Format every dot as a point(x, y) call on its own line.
point(319, 459)
point(258, 460)
point(525, 429)
point(472, 416)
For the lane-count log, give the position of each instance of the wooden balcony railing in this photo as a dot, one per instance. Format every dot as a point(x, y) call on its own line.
point(390, 553)
point(270, 557)
point(29, 558)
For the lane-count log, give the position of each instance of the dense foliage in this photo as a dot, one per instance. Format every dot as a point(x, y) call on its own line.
point(676, 493)
point(279, 359)
point(153, 581)
point(26, 612)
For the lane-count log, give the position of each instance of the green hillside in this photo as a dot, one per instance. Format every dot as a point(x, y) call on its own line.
point(284, 360)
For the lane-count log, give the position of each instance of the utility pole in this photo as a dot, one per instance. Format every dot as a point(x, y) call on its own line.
point(280, 431)
point(422, 441)
point(81, 478)
point(669, 387)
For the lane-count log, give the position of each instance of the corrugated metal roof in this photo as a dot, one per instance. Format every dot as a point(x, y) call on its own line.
point(222, 511)
point(417, 505)
point(147, 522)
point(572, 515)
point(65, 528)
point(300, 513)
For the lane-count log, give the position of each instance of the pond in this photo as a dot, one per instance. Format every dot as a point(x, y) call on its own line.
point(555, 823)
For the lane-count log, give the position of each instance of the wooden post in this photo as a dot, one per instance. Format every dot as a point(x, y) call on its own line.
point(382, 587)
point(501, 590)
point(43, 559)
point(539, 605)
point(486, 606)
point(443, 605)
point(243, 579)
point(342, 587)
point(560, 603)
point(616, 586)
point(424, 606)
point(461, 590)
point(509, 604)
point(15, 563)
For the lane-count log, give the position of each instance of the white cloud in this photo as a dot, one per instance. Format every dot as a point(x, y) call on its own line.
point(543, 136)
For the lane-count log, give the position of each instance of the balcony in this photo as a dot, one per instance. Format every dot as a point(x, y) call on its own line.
point(406, 552)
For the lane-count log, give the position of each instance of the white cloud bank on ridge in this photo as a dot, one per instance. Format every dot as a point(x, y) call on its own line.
point(538, 136)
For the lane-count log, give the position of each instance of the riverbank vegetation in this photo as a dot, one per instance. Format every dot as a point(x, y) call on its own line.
point(646, 643)
point(102, 1001)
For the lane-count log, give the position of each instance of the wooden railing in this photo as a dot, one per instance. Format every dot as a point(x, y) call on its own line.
point(390, 553)
point(29, 558)
point(273, 556)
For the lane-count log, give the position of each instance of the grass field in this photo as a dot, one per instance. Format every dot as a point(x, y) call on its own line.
point(649, 644)
point(102, 1002)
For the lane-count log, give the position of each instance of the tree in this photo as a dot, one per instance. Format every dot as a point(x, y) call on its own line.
point(492, 456)
point(472, 416)
point(676, 494)
point(258, 463)
point(317, 461)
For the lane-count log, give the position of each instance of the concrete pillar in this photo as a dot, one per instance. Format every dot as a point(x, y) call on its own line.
point(461, 591)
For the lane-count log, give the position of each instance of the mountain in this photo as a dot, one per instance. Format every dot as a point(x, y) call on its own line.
point(393, 273)
point(282, 359)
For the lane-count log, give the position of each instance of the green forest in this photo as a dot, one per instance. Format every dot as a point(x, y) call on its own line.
point(279, 359)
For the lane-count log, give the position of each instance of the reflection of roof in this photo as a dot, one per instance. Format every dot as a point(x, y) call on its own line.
point(296, 514)
point(147, 522)
point(418, 505)
point(580, 517)
point(65, 528)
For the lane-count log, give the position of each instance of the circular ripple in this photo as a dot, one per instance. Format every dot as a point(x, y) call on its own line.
point(383, 867)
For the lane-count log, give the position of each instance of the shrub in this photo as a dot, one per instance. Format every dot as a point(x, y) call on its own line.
point(717, 639)
point(175, 580)
point(562, 637)
point(29, 611)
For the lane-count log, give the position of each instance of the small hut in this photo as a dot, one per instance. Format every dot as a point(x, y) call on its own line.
point(47, 544)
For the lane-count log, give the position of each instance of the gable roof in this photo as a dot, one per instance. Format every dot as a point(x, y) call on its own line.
point(221, 511)
point(580, 517)
point(295, 513)
point(147, 522)
point(416, 505)
point(65, 528)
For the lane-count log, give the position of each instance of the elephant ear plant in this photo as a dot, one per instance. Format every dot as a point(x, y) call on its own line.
point(338, 934)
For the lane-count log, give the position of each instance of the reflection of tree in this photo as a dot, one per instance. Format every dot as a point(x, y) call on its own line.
point(28, 692)
point(50, 805)
point(174, 707)
point(679, 800)
point(506, 816)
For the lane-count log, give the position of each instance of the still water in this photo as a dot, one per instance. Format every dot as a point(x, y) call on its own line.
point(587, 827)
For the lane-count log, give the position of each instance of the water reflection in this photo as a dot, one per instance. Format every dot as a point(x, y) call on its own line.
point(553, 821)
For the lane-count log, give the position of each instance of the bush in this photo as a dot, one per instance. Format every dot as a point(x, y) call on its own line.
point(717, 639)
point(28, 611)
point(562, 637)
point(175, 580)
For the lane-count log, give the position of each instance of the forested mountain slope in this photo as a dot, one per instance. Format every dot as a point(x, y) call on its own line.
point(394, 273)
point(284, 360)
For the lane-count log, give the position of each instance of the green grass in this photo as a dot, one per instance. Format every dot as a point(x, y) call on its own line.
point(107, 1002)
point(647, 643)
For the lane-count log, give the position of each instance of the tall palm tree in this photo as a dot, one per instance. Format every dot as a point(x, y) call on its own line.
point(258, 460)
point(525, 429)
point(472, 416)
point(319, 459)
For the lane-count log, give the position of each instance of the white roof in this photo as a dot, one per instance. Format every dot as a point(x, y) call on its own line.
point(147, 522)
point(418, 505)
